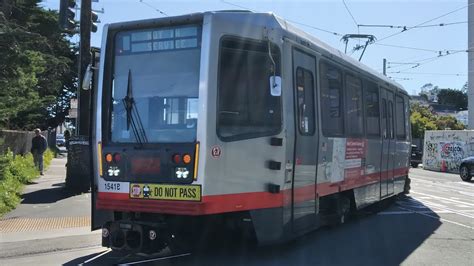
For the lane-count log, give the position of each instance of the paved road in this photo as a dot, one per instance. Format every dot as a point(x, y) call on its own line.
point(434, 225)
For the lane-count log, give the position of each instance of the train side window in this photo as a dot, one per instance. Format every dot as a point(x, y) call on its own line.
point(245, 107)
point(331, 101)
point(305, 98)
point(391, 135)
point(372, 109)
point(355, 119)
point(407, 119)
point(384, 118)
point(400, 118)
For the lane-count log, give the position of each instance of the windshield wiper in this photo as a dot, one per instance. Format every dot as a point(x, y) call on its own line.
point(133, 117)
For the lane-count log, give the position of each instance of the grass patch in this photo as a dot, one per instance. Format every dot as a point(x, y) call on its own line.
point(15, 172)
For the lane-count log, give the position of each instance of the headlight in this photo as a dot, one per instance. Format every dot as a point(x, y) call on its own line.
point(113, 171)
point(181, 172)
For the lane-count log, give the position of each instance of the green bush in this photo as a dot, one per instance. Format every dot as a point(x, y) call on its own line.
point(48, 157)
point(15, 172)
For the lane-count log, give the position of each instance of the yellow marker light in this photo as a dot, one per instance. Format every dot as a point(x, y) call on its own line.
point(196, 159)
point(187, 158)
point(99, 154)
point(108, 158)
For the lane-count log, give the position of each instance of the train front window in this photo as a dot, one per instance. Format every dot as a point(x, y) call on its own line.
point(155, 85)
point(246, 108)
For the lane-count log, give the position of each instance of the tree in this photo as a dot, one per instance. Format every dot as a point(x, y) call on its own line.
point(422, 119)
point(37, 76)
point(448, 122)
point(465, 88)
point(456, 98)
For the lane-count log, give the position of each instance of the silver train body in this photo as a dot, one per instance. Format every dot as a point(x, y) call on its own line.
point(241, 117)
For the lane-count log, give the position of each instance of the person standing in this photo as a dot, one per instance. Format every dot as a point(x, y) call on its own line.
point(39, 144)
point(67, 136)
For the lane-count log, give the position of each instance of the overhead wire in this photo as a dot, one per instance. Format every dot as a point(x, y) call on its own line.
point(350, 13)
point(429, 60)
point(407, 47)
point(406, 27)
point(289, 20)
point(154, 8)
point(421, 73)
point(353, 19)
point(425, 22)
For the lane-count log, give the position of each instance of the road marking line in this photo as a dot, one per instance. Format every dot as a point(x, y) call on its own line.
point(442, 198)
point(406, 212)
point(439, 218)
point(96, 257)
point(463, 206)
point(437, 190)
point(162, 258)
point(448, 209)
point(466, 183)
point(439, 184)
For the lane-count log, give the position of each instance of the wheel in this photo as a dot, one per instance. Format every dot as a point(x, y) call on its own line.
point(343, 209)
point(414, 165)
point(465, 173)
point(407, 187)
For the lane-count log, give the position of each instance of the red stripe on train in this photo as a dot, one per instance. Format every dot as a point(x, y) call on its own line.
point(213, 204)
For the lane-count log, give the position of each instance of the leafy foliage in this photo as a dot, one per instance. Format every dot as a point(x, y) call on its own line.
point(37, 76)
point(422, 119)
point(456, 98)
point(15, 171)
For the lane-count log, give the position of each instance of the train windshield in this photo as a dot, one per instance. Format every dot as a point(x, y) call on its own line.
point(155, 85)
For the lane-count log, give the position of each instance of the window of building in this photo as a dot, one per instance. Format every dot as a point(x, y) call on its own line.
point(305, 97)
point(400, 117)
point(355, 120)
point(246, 108)
point(331, 100)
point(372, 110)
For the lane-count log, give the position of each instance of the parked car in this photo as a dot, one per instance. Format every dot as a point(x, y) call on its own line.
point(60, 141)
point(416, 156)
point(466, 168)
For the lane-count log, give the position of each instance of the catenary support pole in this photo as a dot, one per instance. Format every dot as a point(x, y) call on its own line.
point(84, 60)
point(470, 56)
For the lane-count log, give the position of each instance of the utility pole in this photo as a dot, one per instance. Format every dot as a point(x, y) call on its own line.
point(385, 67)
point(84, 60)
point(470, 59)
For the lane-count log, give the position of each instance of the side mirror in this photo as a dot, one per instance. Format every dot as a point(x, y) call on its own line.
point(275, 85)
point(86, 82)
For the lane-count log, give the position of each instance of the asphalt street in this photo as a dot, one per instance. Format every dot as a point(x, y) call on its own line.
point(433, 225)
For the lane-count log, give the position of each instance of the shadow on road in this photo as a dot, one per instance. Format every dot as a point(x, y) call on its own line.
point(48, 195)
point(370, 239)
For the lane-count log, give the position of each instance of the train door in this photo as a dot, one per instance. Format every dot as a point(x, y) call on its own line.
point(391, 142)
point(386, 168)
point(304, 206)
point(98, 217)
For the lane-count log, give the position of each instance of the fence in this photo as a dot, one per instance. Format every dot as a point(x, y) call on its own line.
point(19, 142)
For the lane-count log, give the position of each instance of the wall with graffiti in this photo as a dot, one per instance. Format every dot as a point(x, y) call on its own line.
point(444, 149)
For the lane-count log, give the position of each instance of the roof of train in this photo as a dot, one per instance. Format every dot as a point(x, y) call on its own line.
point(287, 26)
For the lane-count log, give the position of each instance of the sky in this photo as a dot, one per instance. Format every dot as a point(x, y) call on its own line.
point(318, 17)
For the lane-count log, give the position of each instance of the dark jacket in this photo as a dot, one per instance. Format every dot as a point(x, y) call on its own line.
point(39, 144)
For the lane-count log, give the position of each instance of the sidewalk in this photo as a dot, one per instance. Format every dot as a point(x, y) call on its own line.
point(48, 217)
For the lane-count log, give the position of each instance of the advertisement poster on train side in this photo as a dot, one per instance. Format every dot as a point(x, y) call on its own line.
point(354, 156)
